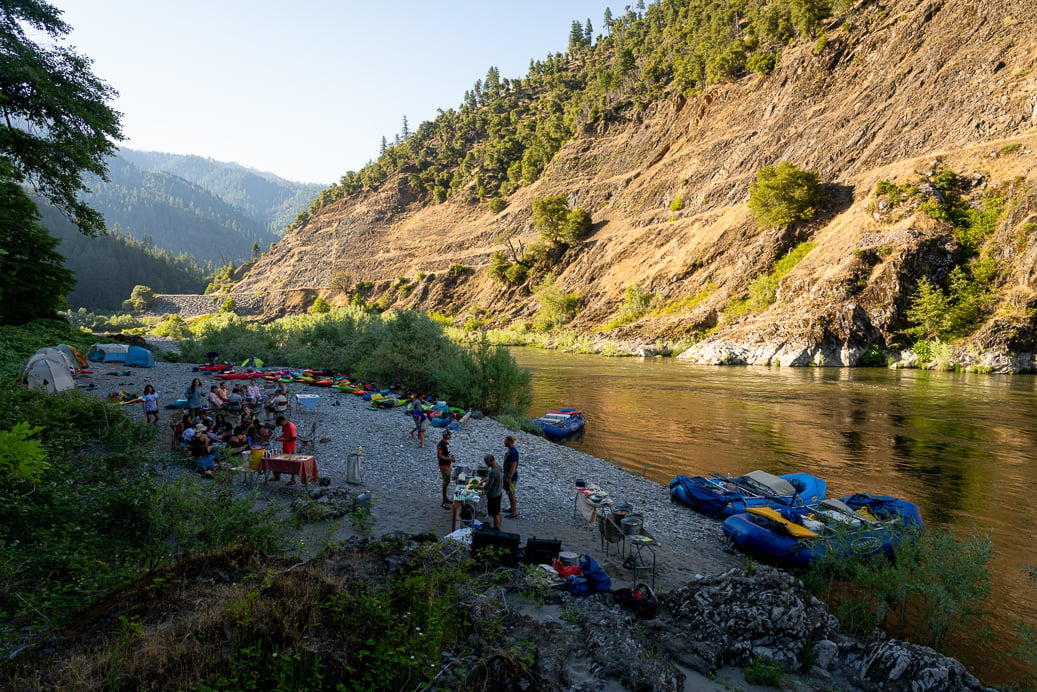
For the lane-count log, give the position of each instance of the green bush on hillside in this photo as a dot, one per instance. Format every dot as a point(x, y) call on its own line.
point(557, 223)
point(782, 195)
point(557, 308)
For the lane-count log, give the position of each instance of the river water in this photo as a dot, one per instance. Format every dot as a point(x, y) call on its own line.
point(962, 446)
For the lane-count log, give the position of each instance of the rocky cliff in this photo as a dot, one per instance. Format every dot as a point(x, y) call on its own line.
point(898, 91)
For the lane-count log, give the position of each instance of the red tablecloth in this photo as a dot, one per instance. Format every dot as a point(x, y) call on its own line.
point(302, 465)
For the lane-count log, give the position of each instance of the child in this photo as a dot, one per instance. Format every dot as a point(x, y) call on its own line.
point(149, 400)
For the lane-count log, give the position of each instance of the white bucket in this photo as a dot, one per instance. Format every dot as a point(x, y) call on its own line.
point(568, 559)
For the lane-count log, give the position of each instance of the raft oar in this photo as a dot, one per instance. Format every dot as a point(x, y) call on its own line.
point(759, 491)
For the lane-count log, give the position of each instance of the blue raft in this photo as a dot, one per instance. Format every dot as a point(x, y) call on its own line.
point(561, 423)
point(859, 524)
point(722, 497)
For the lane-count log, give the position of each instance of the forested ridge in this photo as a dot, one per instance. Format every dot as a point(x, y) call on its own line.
point(507, 130)
point(261, 196)
point(176, 214)
point(108, 266)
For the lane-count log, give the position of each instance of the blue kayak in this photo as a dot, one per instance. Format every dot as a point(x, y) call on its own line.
point(721, 497)
point(859, 524)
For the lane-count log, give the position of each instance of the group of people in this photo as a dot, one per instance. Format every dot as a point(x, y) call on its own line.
point(230, 424)
point(498, 481)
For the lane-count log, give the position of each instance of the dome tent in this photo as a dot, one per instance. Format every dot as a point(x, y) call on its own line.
point(59, 356)
point(108, 353)
point(44, 374)
point(139, 357)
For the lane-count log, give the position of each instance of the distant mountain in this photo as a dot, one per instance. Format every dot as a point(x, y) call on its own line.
point(175, 214)
point(264, 197)
point(108, 267)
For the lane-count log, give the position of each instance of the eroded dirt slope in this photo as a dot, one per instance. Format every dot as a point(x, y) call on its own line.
point(903, 89)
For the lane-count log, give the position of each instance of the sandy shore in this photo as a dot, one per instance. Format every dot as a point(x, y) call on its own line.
point(405, 484)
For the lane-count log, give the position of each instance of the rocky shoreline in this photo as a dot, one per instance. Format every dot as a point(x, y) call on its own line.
point(715, 619)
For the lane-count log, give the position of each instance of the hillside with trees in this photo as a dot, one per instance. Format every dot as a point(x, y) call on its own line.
point(762, 182)
point(170, 212)
point(107, 267)
point(263, 197)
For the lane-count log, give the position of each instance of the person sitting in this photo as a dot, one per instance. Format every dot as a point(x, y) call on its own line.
point(259, 433)
point(215, 402)
point(223, 393)
point(202, 451)
point(235, 401)
point(222, 428)
point(277, 405)
point(253, 394)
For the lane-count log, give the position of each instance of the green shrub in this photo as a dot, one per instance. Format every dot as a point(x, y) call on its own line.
point(558, 224)
point(677, 204)
point(873, 357)
point(763, 671)
point(761, 62)
point(229, 305)
point(499, 266)
point(497, 204)
point(22, 458)
point(457, 270)
point(141, 299)
point(221, 280)
point(557, 308)
point(636, 304)
point(174, 327)
point(783, 195)
point(319, 306)
point(516, 274)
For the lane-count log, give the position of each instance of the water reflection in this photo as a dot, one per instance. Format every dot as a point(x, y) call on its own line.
point(962, 446)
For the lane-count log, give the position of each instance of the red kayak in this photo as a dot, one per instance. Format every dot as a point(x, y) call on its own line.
point(238, 375)
point(214, 368)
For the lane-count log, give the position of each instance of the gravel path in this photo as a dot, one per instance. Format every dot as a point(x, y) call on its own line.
point(404, 479)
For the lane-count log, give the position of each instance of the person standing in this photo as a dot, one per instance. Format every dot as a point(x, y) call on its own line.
point(287, 439)
point(421, 421)
point(445, 459)
point(511, 460)
point(194, 398)
point(149, 400)
point(288, 435)
point(494, 489)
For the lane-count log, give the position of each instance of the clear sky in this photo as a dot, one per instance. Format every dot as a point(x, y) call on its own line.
point(304, 89)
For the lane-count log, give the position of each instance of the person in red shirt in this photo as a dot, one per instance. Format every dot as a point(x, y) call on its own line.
point(288, 435)
point(287, 440)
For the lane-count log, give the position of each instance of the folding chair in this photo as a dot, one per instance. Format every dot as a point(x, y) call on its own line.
point(304, 441)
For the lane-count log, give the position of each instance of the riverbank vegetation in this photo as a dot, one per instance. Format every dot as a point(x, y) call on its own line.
point(403, 348)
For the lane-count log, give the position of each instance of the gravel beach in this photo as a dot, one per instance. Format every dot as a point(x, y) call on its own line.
point(404, 480)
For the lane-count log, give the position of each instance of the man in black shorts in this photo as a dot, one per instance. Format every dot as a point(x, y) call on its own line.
point(494, 489)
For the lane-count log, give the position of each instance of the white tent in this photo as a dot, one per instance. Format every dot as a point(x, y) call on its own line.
point(59, 356)
point(46, 375)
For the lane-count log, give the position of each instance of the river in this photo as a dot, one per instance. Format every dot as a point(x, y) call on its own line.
point(962, 446)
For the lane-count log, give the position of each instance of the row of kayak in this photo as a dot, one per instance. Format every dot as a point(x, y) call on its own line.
point(788, 520)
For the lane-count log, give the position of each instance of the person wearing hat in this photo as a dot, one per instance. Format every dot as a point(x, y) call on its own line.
point(493, 486)
point(445, 459)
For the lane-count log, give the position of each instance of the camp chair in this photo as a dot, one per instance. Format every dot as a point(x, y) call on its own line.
point(304, 441)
